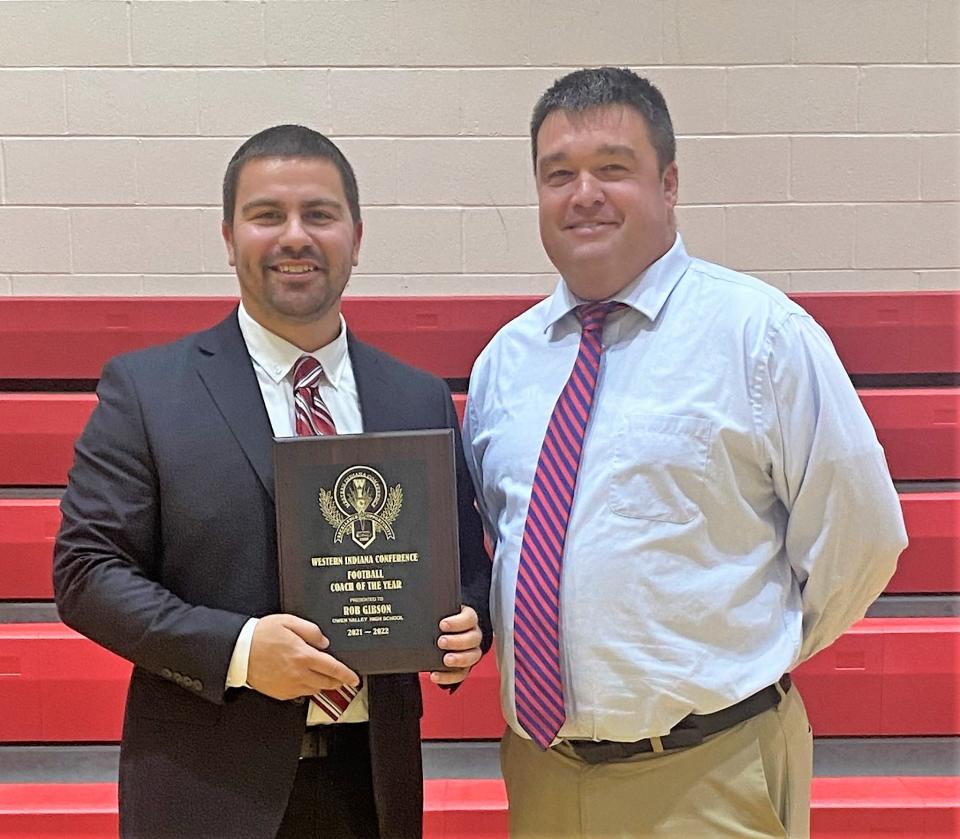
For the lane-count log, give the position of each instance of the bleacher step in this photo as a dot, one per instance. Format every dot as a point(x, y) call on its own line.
point(479, 759)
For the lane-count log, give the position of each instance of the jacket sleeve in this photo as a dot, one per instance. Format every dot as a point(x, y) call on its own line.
point(108, 553)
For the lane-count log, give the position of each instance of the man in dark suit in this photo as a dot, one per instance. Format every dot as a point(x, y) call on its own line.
point(167, 554)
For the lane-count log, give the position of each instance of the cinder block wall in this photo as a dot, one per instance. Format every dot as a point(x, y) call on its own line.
point(819, 139)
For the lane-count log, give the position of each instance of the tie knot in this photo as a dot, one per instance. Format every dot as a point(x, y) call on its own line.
point(306, 372)
point(593, 315)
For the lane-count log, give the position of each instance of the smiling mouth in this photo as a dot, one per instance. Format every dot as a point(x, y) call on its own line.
point(590, 226)
point(294, 269)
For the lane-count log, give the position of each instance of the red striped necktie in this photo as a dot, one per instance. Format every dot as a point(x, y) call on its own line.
point(538, 687)
point(313, 420)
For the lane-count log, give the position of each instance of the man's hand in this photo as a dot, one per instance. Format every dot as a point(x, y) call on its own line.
point(462, 638)
point(286, 662)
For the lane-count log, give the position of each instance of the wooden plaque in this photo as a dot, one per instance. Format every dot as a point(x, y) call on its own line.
point(368, 543)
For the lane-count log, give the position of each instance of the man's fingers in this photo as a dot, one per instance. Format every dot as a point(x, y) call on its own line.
point(461, 660)
point(327, 667)
point(460, 641)
point(461, 633)
point(308, 631)
point(466, 619)
point(462, 664)
point(285, 660)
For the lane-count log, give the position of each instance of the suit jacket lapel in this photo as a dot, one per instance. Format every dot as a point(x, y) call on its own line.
point(373, 389)
point(226, 370)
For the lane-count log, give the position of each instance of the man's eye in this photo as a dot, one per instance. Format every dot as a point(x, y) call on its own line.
point(267, 215)
point(319, 216)
point(559, 175)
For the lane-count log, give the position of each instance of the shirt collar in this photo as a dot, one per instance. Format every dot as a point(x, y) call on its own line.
point(647, 293)
point(277, 356)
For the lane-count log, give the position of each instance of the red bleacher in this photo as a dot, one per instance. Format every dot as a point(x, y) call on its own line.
point(28, 527)
point(37, 433)
point(47, 672)
point(919, 429)
point(930, 562)
point(915, 332)
point(70, 338)
point(866, 684)
point(27, 530)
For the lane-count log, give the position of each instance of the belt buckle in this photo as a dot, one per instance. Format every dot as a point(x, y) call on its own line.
point(313, 743)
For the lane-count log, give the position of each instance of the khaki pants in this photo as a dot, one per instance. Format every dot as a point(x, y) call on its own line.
point(752, 780)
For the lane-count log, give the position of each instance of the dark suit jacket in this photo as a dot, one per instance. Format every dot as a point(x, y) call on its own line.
point(168, 545)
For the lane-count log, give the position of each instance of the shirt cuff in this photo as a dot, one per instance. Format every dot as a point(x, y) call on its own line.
point(237, 673)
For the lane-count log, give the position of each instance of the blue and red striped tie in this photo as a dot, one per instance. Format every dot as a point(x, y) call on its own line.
point(313, 420)
point(536, 620)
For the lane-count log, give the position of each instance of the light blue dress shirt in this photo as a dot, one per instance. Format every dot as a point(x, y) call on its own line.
point(734, 512)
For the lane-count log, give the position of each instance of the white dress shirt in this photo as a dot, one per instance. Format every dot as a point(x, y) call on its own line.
point(273, 361)
point(733, 514)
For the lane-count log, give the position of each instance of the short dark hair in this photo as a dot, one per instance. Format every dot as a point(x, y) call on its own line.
point(288, 141)
point(582, 90)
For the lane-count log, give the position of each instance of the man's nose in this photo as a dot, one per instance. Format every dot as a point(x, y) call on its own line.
point(294, 234)
point(589, 191)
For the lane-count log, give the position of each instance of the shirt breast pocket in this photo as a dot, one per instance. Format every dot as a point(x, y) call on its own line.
point(659, 467)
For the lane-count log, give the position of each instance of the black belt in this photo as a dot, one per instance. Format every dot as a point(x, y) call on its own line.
point(690, 731)
point(331, 739)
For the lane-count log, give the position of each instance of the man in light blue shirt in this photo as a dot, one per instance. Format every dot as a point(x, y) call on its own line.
point(733, 512)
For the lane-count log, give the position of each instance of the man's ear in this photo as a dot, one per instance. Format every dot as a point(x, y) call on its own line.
point(671, 183)
point(357, 236)
point(226, 229)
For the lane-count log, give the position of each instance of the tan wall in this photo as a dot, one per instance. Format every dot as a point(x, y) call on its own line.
point(819, 140)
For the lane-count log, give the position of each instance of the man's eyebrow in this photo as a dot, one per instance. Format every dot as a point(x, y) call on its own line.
point(257, 203)
point(323, 202)
point(626, 151)
point(550, 159)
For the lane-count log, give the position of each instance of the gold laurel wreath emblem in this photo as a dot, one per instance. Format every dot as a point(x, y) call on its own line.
point(385, 518)
point(391, 507)
point(329, 509)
